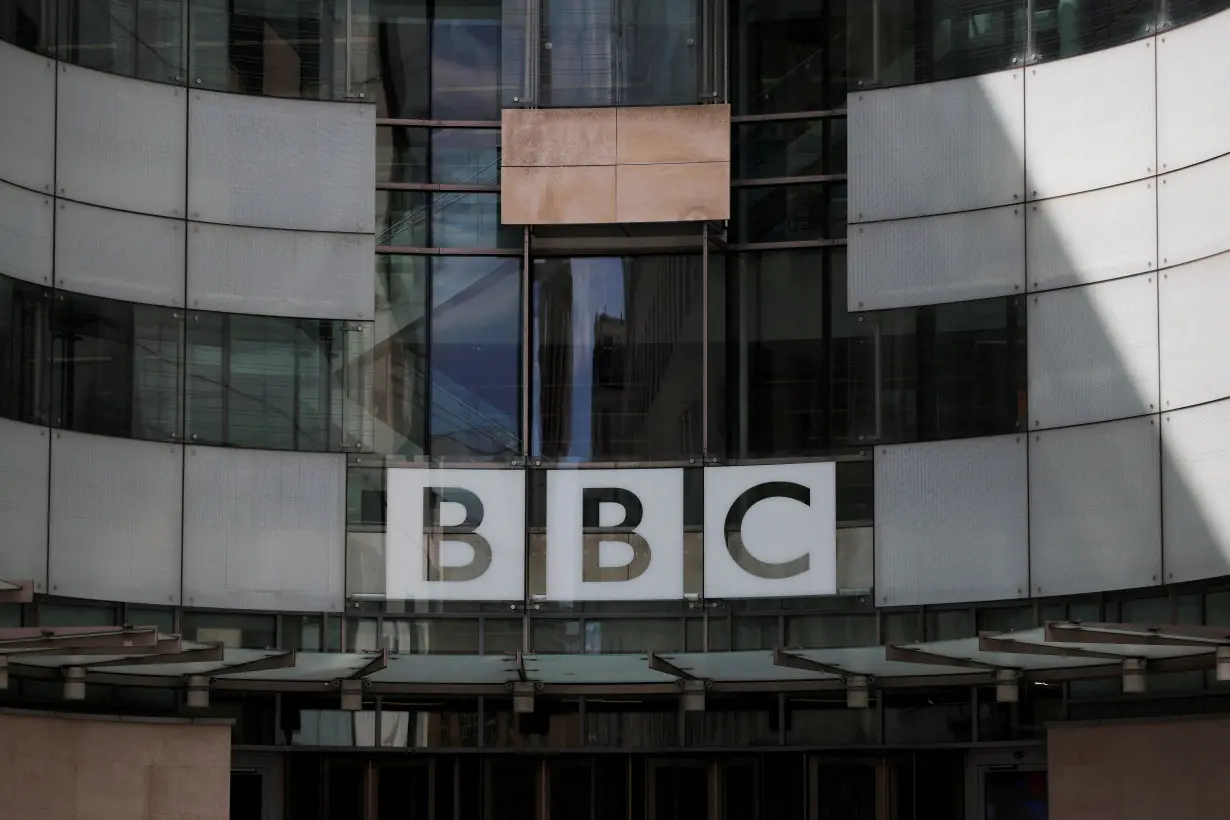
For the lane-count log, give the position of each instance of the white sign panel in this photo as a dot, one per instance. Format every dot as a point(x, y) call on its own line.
point(614, 535)
point(455, 535)
point(771, 531)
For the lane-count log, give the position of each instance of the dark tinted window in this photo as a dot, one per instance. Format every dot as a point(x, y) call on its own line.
point(265, 381)
point(790, 213)
point(465, 156)
point(399, 355)
point(139, 38)
point(617, 358)
point(25, 313)
point(444, 219)
point(402, 154)
point(26, 23)
point(116, 367)
point(403, 219)
point(1178, 12)
point(465, 60)
point(790, 148)
point(279, 48)
point(1066, 29)
point(788, 55)
point(475, 362)
point(392, 57)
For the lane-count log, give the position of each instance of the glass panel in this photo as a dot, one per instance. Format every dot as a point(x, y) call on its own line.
point(116, 367)
point(618, 52)
point(26, 23)
point(746, 720)
point(470, 221)
point(947, 625)
point(511, 788)
point(502, 635)
point(1015, 794)
point(679, 791)
point(753, 633)
point(790, 148)
point(926, 40)
point(617, 358)
point(475, 357)
point(277, 48)
point(828, 722)
point(77, 615)
point(164, 619)
point(1178, 12)
point(855, 491)
point(465, 156)
point(137, 38)
point(421, 637)
point(1063, 28)
point(1006, 619)
point(403, 791)
point(399, 357)
point(788, 56)
point(402, 154)
point(790, 213)
point(465, 60)
point(848, 792)
point(556, 636)
point(831, 630)
point(403, 218)
point(644, 724)
point(233, 630)
point(940, 716)
point(265, 381)
point(634, 635)
point(391, 57)
point(25, 312)
point(776, 354)
point(303, 633)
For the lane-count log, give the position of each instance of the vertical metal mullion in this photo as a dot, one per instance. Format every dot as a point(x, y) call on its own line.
point(704, 347)
point(526, 340)
point(348, 51)
point(376, 741)
point(876, 56)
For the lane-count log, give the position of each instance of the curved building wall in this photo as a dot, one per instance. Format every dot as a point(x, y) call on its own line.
point(1088, 189)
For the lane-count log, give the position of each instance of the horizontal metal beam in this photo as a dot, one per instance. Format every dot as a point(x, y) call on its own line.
point(16, 592)
point(993, 644)
point(1207, 637)
point(72, 640)
point(209, 654)
point(905, 654)
point(283, 660)
point(791, 661)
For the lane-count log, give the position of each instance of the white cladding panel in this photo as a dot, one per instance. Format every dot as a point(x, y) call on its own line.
point(121, 143)
point(951, 521)
point(26, 225)
point(644, 563)
point(281, 273)
point(1196, 492)
point(937, 147)
point(264, 530)
point(1194, 317)
point(1193, 92)
point(24, 473)
point(273, 163)
point(1095, 507)
point(473, 551)
point(119, 255)
point(116, 511)
point(1092, 237)
point(934, 259)
point(28, 125)
point(1090, 121)
point(1093, 352)
point(1191, 212)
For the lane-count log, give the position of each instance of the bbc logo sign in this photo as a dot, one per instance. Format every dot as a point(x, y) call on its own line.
point(769, 531)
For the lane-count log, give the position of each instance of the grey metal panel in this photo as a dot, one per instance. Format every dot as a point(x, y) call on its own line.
point(28, 125)
point(281, 273)
point(1196, 492)
point(264, 530)
point(1194, 329)
point(270, 163)
point(934, 259)
point(1191, 212)
point(951, 521)
point(1093, 352)
point(1090, 120)
point(24, 473)
point(116, 509)
point(1193, 92)
point(121, 143)
point(119, 255)
point(937, 147)
point(1093, 236)
point(1095, 507)
point(855, 558)
point(26, 225)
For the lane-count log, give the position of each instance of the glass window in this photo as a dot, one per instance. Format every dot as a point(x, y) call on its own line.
point(790, 213)
point(25, 23)
point(435, 637)
point(399, 355)
point(25, 312)
point(164, 619)
point(776, 350)
point(925, 40)
point(475, 351)
point(465, 156)
point(790, 148)
point(831, 630)
point(470, 221)
point(402, 154)
point(77, 615)
point(615, 52)
point(616, 358)
point(403, 219)
point(633, 635)
point(116, 367)
point(137, 38)
point(277, 48)
point(465, 60)
point(1064, 28)
point(265, 381)
point(233, 630)
point(1178, 12)
point(788, 56)
point(391, 57)
point(365, 499)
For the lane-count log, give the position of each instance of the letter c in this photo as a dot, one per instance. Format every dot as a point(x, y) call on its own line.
point(734, 531)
